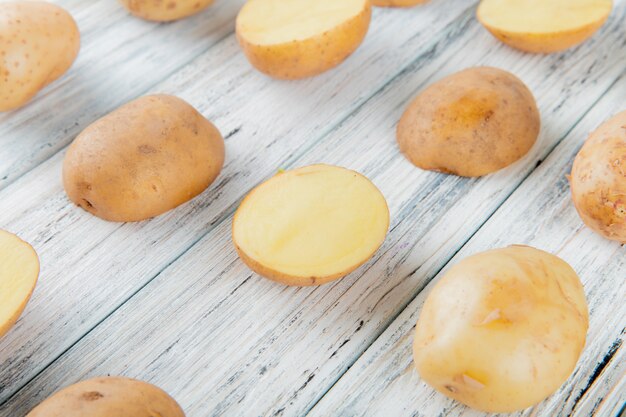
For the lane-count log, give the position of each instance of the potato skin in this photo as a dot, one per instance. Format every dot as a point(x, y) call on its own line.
point(471, 123)
point(503, 329)
point(397, 3)
point(312, 56)
point(598, 179)
point(108, 397)
point(165, 10)
point(39, 42)
point(143, 159)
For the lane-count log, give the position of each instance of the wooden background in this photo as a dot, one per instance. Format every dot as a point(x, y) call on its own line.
point(168, 301)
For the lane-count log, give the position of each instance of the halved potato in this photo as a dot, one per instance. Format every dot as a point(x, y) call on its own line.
point(311, 225)
point(397, 3)
point(543, 26)
point(503, 329)
point(19, 270)
point(109, 397)
point(292, 39)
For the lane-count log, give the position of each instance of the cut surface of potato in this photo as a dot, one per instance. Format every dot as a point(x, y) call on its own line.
point(109, 397)
point(19, 270)
point(503, 329)
point(598, 179)
point(543, 26)
point(299, 38)
point(310, 225)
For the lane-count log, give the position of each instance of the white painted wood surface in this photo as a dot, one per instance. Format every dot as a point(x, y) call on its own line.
point(168, 301)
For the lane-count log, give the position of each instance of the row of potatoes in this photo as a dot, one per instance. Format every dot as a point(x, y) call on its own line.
point(500, 332)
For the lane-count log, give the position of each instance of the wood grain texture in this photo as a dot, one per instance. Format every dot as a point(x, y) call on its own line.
point(134, 300)
point(539, 213)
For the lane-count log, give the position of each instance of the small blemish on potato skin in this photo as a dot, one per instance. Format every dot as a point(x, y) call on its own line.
point(92, 396)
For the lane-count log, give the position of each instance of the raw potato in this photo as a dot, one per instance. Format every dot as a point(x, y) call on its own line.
point(143, 159)
point(598, 179)
point(39, 42)
point(543, 26)
point(165, 10)
point(19, 270)
point(471, 123)
point(397, 3)
point(109, 397)
point(503, 329)
point(292, 39)
point(311, 225)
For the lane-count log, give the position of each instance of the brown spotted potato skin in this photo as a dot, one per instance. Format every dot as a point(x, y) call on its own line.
point(397, 3)
point(109, 397)
point(165, 10)
point(143, 159)
point(310, 57)
point(598, 180)
point(471, 123)
point(39, 41)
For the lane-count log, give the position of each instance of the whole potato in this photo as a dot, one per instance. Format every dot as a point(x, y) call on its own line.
point(39, 42)
point(292, 39)
point(143, 159)
point(165, 10)
point(471, 123)
point(397, 3)
point(503, 329)
point(598, 179)
point(109, 397)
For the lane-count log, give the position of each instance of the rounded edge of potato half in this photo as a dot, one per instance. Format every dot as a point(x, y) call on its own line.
point(470, 123)
point(108, 397)
point(503, 329)
point(598, 179)
point(15, 255)
point(555, 36)
point(32, 35)
point(145, 158)
point(348, 212)
point(398, 3)
point(291, 57)
point(165, 11)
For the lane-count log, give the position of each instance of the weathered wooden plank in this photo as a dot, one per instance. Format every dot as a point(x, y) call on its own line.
point(90, 267)
point(121, 57)
point(539, 213)
point(224, 341)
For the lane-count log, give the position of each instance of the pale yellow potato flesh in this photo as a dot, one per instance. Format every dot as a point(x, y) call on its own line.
point(397, 3)
point(598, 180)
point(310, 225)
point(293, 39)
point(543, 26)
point(39, 42)
point(109, 397)
point(503, 329)
point(19, 270)
point(165, 10)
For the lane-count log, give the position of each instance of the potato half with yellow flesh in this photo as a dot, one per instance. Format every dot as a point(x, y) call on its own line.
point(109, 397)
point(503, 329)
point(165, 10)
point(19, 270)
point(293, 39)
point(598, 179)
point(310, 225)
point(397, 3)
point(543, 26)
